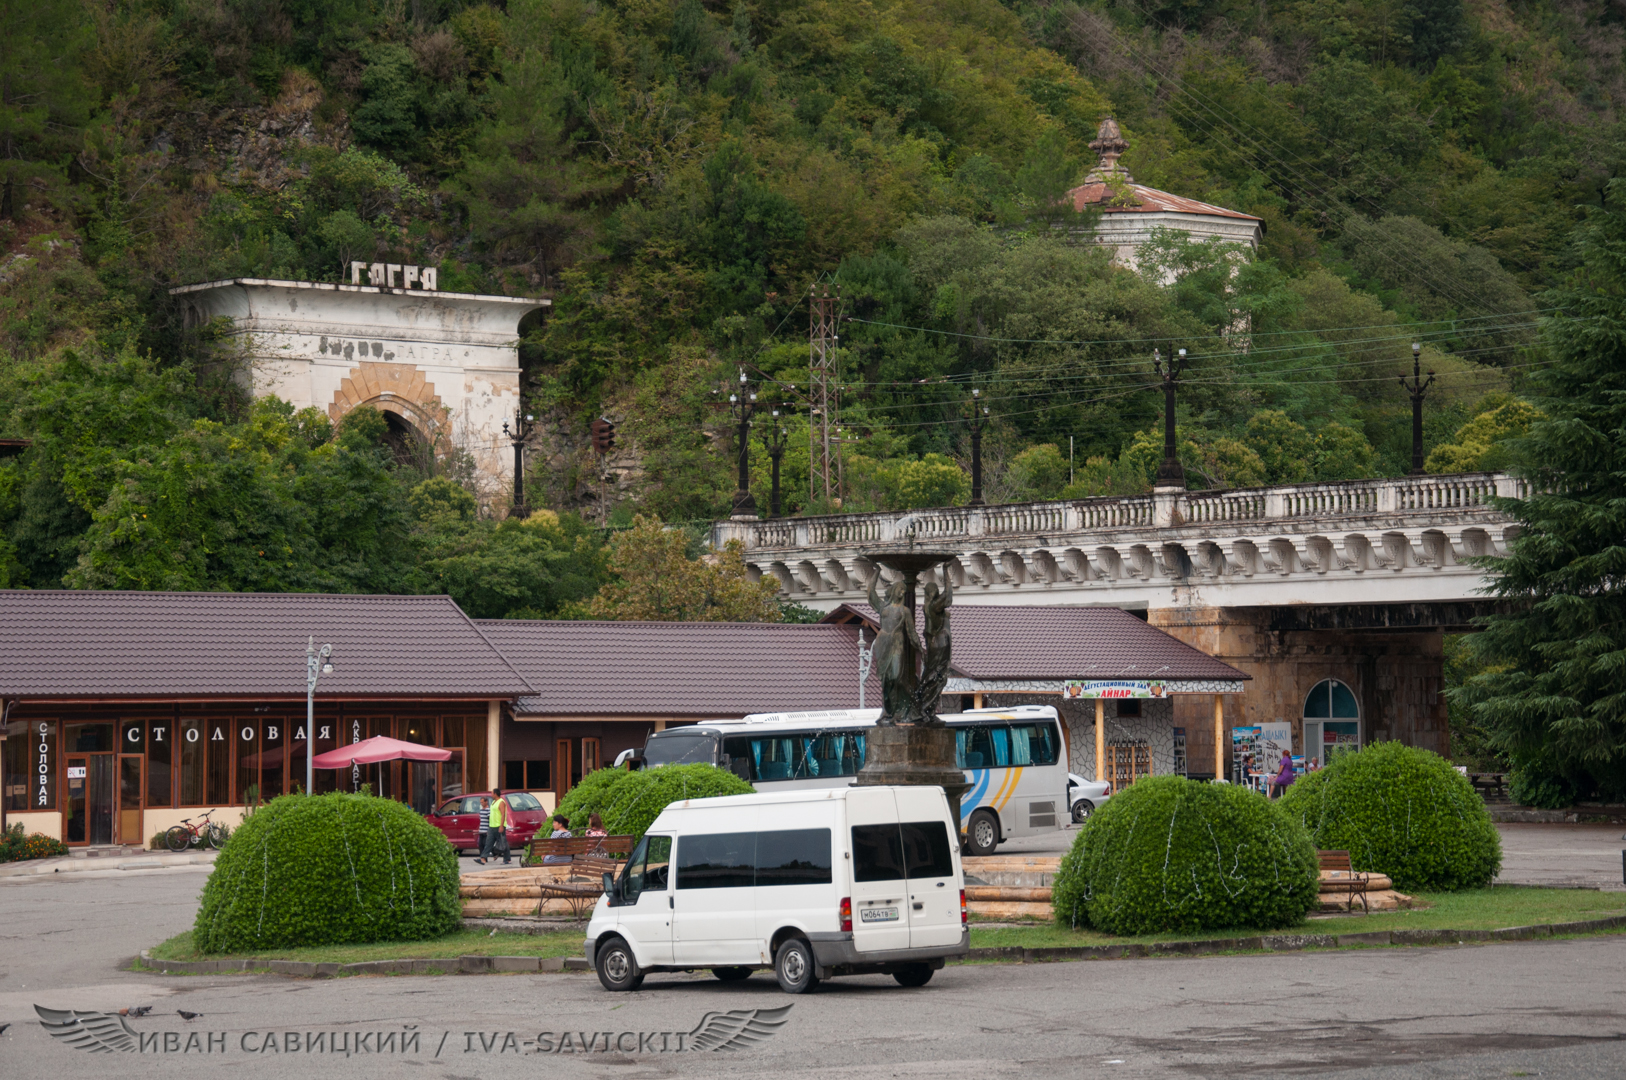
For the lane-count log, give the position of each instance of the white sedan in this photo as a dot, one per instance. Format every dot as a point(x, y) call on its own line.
point(1085, 795)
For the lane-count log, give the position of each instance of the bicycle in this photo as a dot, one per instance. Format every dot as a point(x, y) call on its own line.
point(180, 837)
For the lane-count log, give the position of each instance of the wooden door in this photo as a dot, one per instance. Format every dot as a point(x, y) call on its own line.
point(590, 755)
point(561, 768)
point(131, 779)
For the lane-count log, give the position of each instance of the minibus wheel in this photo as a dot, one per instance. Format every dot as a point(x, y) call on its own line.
point(617, 968)
point(982, 836)
point(794, 968)
point(732, 974)
point(914, 975)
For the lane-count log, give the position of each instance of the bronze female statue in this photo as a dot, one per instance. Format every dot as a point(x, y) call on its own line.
point(896, 649)
point(936, 673)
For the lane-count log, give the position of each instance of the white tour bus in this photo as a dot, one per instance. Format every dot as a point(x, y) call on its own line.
point(812, 884)
point(1014, 760)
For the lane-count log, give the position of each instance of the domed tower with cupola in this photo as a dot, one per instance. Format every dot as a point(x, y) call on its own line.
point(1129, 213)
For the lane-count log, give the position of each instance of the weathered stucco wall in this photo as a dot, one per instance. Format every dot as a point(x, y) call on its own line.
point(1396, 676)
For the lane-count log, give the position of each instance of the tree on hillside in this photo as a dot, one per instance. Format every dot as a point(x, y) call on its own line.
point(659, 582)
point(1555, 700)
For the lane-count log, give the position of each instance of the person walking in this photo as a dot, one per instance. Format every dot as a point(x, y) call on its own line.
point(501, 818)
point(485, 829)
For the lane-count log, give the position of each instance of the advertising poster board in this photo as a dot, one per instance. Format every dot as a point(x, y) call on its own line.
point(1112, 688)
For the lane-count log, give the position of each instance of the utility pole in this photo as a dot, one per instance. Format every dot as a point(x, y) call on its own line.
point(522, 429)
point(979, 419)
point(317, 664)
point(1417, 389)
point(823, 397)
point(774, 440)
point(742, 405)
point(1170, 473)
point(603, 442)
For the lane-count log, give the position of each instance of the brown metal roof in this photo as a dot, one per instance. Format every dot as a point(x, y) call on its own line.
point(1147, 200)
point(705, 670)
point(1015, 641)
point(84, 644)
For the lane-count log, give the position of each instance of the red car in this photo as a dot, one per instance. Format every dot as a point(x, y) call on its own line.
point(459, 819)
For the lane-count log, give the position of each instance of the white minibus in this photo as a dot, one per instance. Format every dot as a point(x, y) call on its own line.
point(810, 884)
point(1014, 759)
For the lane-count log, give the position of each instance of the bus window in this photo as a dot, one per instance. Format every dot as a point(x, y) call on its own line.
point(1033, 744)
point(831, 753)
point(974, 747)
point(742, 762)
point(774, 758)
point(681, 750)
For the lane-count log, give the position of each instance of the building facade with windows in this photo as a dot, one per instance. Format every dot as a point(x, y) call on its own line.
point(126, 712)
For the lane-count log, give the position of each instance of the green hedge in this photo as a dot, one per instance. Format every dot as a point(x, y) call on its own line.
point(328, 870)
point(1403, 812)
point(629, 802)
point(1170, 854)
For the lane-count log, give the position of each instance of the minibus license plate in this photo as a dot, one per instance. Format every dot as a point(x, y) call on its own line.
point(878, 914)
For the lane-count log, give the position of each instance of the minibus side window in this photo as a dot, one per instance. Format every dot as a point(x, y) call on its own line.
point(716, 861)
point(646, 868)
point(877, 853)
point(926, 850)
point(793, 857)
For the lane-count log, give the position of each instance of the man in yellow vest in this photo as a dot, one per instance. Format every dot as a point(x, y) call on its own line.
point(498, 836)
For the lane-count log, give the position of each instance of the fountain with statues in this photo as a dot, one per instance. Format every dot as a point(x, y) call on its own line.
point(910, 744)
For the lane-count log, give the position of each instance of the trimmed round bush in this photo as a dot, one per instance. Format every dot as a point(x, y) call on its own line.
point(1403, 812)
point(629, 802)
point(329, 870)
point(1171, 854)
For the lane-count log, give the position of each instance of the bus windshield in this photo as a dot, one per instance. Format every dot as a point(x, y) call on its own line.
point(680, 750)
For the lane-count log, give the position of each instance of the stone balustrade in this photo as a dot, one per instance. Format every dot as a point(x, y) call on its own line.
point(1298, 543)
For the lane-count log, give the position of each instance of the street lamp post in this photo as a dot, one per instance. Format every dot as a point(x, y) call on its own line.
point(1417, 389)
point(742, 405)
point(317, 664)
point(1171, 473)
point(774, 439)
point(979, 418)
point(521, 430)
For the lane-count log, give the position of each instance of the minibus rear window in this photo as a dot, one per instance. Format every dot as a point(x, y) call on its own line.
point(926, 850)
point(877, 853)
point(914, 849)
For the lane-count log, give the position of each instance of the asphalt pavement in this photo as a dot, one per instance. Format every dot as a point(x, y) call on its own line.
point(1549, 1008)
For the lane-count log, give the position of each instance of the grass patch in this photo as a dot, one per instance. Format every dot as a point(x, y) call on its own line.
point(458, 943)
point(1472, 909)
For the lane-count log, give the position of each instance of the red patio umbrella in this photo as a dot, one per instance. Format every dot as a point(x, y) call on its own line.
point(378, 748)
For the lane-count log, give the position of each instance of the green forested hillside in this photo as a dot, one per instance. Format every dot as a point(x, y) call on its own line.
point(677, 175)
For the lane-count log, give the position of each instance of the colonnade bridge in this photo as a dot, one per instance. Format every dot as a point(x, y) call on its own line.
point(1349, 542)
point(1353, 581)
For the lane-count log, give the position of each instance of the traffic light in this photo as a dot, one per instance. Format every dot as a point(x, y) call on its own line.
point(603, 435)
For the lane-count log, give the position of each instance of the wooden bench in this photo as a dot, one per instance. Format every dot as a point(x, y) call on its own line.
point(1353, 883)
point(573, 846)
point(585, 884)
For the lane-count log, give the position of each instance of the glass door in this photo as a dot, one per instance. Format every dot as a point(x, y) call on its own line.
point(75, 810)
point(89, 807)
point(129, 821)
